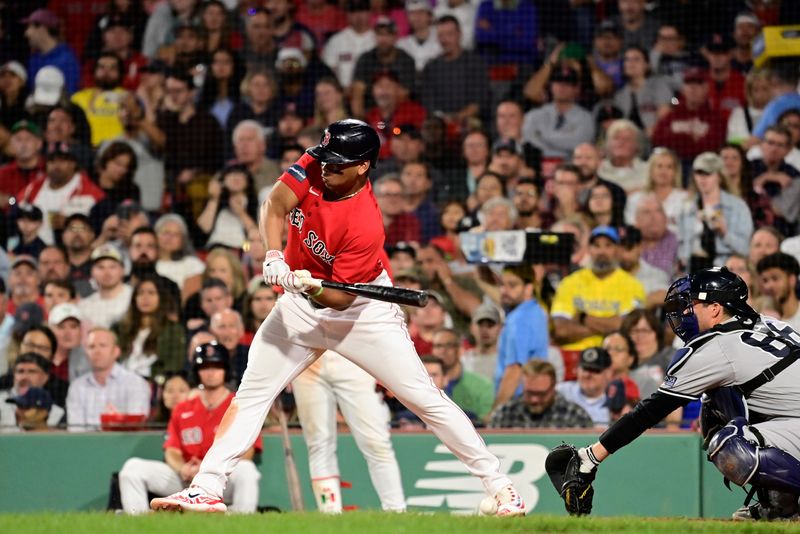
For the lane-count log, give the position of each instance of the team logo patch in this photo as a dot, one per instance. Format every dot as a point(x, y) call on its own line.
point(669, 381)
point(298, 172)
point(326, 138)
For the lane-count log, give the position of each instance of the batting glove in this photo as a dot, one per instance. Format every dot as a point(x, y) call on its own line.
point(292, 282)
point(588, 461)
point(274, 267)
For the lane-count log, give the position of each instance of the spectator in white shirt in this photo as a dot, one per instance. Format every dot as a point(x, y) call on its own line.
point(113, 297)
point(108, 388)
point(344, 47)
point(423, 44)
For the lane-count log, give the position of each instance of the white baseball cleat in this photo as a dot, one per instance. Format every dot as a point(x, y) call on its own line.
point(192, 499)
point(509, 502)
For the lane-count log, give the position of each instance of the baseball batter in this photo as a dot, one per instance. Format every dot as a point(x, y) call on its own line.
point(334, 380)
point(744, 368)
point(335, 233)
point(190, 433)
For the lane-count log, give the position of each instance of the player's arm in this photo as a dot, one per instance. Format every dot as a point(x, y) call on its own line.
point(174, 459)
point(274, 210)
point(645, 415)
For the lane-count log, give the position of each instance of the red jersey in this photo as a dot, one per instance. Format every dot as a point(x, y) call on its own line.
point(340, 240)
point(192, 427)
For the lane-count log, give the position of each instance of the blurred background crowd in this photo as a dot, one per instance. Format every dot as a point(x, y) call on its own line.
point(139, 137)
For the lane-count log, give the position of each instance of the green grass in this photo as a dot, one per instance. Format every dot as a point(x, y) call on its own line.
point(371, 522)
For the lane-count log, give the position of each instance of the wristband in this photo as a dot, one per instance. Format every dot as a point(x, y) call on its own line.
point(316, 293)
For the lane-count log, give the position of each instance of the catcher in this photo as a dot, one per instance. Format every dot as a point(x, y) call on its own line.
point(742, 366)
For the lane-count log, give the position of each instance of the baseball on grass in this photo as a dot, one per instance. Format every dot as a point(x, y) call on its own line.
point(488, 506)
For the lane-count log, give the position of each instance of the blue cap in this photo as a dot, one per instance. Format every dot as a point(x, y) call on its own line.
point(33, 398)
point(605, 231)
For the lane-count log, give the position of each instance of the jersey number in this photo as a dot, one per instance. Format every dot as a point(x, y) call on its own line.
point(774, 346)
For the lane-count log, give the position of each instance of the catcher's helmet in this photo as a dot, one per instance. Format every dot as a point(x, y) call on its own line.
point(718, 285)
point(348, 141)
point(211, 352)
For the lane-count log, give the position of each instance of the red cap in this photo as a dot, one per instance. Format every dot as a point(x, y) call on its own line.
point(43, 17)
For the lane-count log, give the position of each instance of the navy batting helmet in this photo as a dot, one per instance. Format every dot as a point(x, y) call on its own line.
point(211, 352)
point(348, 141)
point(718, 285)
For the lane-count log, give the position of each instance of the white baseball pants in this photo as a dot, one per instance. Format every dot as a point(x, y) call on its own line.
point(371, 334)
point(139, 476)
point(332, 380)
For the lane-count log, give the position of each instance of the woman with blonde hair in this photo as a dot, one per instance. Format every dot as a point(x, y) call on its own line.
point(744, 118)
point(714, 223)
point(665, 180)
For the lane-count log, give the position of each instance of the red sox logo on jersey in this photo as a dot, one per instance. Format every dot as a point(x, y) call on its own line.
point(312, 240)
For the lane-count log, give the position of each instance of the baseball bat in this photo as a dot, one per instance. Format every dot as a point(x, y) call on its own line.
point(292, 478)
point(398, 295)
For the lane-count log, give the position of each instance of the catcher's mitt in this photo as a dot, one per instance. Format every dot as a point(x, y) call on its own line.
point(563, 468)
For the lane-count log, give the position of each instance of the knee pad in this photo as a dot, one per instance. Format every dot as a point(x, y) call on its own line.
point(733, 454)
point(736, 453)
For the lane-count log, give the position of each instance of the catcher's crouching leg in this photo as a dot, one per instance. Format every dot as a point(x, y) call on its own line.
point(575, 488)
point(741, 456)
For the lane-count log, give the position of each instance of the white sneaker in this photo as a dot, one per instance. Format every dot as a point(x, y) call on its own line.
point(192, 499)
point(507, 502)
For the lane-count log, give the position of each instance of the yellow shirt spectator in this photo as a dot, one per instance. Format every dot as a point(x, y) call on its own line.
point(101, 109)
point(613, 295)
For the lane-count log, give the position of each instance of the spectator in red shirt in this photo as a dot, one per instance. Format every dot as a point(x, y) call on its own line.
point(727, 87)
point(28, 164)
point(322, 18)
point(399, 224)
point(692, 126)
point(392, 110)
point(191, 431)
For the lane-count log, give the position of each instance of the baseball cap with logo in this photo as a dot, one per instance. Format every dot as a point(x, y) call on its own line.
point(24, 259)
point(33, 398)
point(695, 74)
point(509, 145)
point(61, 150)
point(720, 43)
point(49, 83)
point(595, 359)
point(747, 17)
point(416, 5)
point(402, 247)
point(291, 52)
point(605, 231)
point(16, 68)
point(384, 22)
point(107, 251)
point(608, 26)
point(28, 126)
point(62, 312)
point(27, 316)
point(487, 312)
point(43, 17)
point(620, 392)
point(708, 163)
point(565, 74)
point(29, 212)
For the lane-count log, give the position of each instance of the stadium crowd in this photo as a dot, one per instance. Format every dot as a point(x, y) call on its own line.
point(139, 137)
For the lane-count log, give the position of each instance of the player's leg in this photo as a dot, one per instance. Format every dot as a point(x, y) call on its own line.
point(368, 419)
point(282, 348)
point(376, 339)
point(242, 489)
point(764, 455)
point(316, 410)
point(139, 476)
